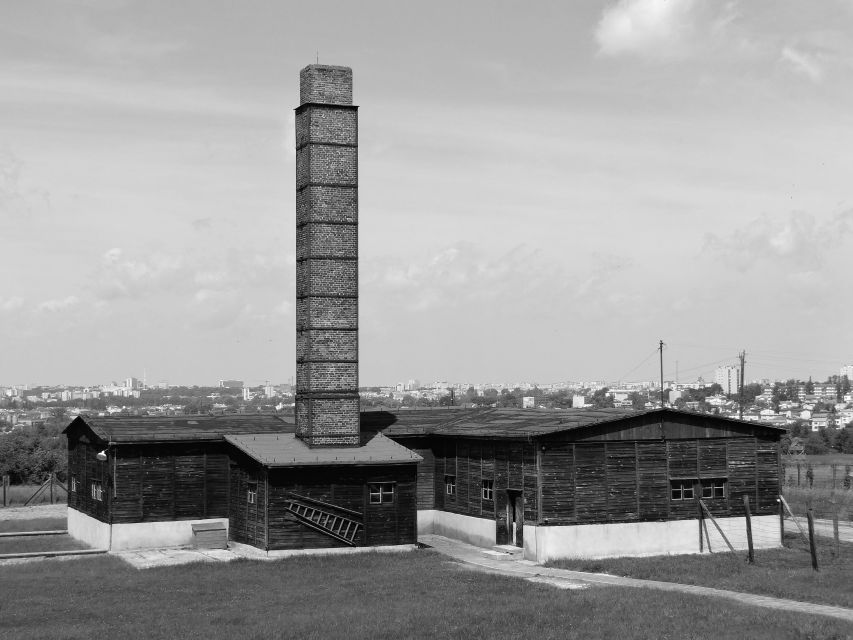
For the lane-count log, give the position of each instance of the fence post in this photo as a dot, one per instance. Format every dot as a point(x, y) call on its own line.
point(834, 470)
point(5, 487)
point(51, 488)
point(701, 541)
point(812, 548)
point(798, 474)
point(751, 556)
point(835, 525)
point(781, 522)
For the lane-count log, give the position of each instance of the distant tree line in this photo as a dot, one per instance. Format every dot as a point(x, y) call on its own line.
point(30, 454)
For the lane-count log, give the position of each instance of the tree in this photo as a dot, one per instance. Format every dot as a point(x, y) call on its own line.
point(810, 387)
point(637, 401)
point(601, 399)
point(815, 445)
point(750, 391)
point(844, 440)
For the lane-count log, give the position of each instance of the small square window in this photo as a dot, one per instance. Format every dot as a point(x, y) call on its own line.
point(450, 485)
point(252, 493)
point(681, 489)
point(97, 491)
point(714, 488)
point(381, 492)
point(488, 490)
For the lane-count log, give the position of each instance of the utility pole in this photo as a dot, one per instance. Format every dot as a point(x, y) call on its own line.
point(660, 348)
point(742, 356)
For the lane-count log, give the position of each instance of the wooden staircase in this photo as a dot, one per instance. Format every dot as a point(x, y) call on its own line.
point(320, 516)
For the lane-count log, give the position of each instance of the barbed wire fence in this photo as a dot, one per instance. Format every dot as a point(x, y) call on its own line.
point(817, 501)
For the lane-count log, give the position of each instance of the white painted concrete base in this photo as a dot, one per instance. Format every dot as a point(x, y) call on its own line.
point(88, 530)
point(133, 535)
point(248, 551)
point(544, 543)
point(478, 531)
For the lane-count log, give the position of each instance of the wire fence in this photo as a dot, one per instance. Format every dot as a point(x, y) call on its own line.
point(817, 475)
point(822, 493)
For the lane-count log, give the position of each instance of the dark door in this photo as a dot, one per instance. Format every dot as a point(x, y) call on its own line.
point(515, 517)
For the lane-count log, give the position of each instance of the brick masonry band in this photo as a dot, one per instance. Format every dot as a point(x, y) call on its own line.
point(327, 402)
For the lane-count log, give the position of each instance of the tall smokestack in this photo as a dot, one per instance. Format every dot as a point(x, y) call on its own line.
point(327, 402)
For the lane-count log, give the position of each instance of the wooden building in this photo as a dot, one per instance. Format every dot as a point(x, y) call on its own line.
point(586, 482)
point(301, 497)
point(143, 482)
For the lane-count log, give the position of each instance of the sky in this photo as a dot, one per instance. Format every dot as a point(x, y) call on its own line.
point(546, 189)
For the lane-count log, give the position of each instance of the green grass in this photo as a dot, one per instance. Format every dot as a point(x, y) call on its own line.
point(18, 494)
point(414, 595)
point(29, 544)
point(33, 524)
point(824, 502)
point(782, 573)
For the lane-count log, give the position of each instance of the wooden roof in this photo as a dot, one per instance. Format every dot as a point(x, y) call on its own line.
point(286, 450)
point(128, 429)
point(516, 423)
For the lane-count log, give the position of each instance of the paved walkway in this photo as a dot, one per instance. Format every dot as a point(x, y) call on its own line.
point(488, 561)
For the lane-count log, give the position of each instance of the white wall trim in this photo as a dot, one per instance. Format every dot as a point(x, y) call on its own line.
point(133, 535)
point(671, 537)
point(477, 531)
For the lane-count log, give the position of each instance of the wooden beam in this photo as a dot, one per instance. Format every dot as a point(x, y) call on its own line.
point(714, 521)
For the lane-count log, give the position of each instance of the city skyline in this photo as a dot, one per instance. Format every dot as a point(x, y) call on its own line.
point(544, 195)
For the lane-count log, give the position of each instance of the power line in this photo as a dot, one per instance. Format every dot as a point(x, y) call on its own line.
point(646, 359)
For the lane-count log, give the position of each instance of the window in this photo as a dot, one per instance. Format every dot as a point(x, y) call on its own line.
point(682, 489)
point(488, 489)
point(97, 491)
point(714, 488)
point(73, 484)
point(450, 485)
point(381, 492)
point(252, 493)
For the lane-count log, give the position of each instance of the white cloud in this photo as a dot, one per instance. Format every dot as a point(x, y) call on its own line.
point(58, 304)
point(659, 28)
point(798, 243)
point(11, 304)
point(803, 63)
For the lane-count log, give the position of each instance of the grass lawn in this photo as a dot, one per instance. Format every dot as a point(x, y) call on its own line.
point(782, 573)
point(18, 494)
point(412, 595)
point(33, 524)
point(39, 543)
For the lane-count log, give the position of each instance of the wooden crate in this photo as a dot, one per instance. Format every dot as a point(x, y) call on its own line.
point(210, 535)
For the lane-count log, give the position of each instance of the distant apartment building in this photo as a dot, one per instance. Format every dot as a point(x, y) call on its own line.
point(132, 383)
point(578, 402)
point(728, 378)
point(825, 391)
point(847, 370)
point(230, 383)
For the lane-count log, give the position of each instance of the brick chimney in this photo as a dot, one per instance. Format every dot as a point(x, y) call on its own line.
point(327, 401)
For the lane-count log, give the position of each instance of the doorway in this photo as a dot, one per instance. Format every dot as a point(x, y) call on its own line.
point(515, 517)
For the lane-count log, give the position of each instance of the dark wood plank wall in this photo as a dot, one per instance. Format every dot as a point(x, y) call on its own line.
point(85, 467)
point(428, 475)
point(508, 464)
point(346, 487)
point(617, 481)
point(180, 481)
